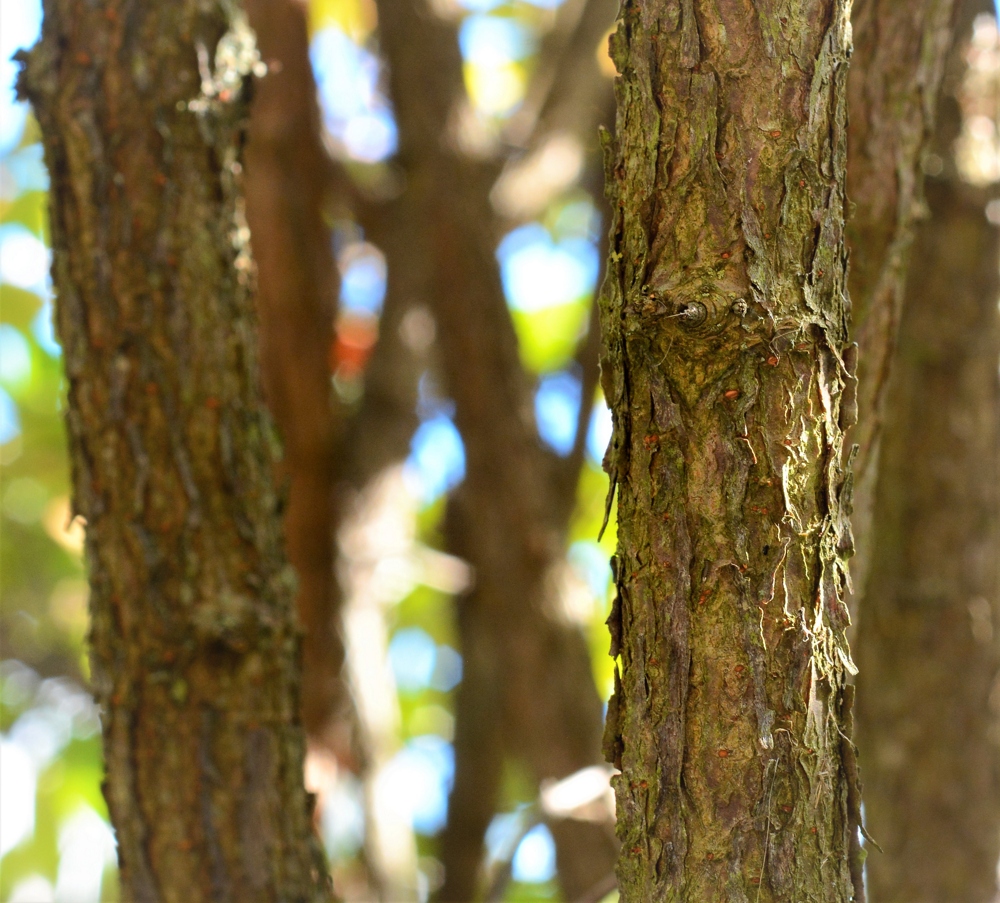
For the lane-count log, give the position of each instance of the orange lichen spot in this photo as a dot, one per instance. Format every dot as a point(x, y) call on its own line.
point(740, 669)
point(802, 183)
point(812, 830)
point(83, 58)
point(710, 856)
point(731, 394)
point(723, 753)
point(786, 808)
point(776, 133)
point(636, 851)
point(768, 235)
point(643, 784)
point(212, 403)
point(773, 360)
point(755, 881)
point(725, 255)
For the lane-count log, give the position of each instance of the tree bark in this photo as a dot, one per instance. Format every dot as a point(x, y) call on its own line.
point(287, 186)
point(727, 368)
point(194, 646)
point(527, 686)
point(928, 642)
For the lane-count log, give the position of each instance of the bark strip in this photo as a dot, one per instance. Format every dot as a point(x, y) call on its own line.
point(194, 645)
point(725, 362)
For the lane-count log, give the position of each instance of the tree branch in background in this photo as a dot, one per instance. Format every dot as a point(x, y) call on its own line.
point(893, 86)
point(527, 686)
point(930, 614)
point(194, 646)
point(287, 188)
point(567, 99)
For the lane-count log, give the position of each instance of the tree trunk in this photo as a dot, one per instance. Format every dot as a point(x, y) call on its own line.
point(527, 686)
point(900, 48)
point(287, 187)
point(928, 642)
point(194, 647)
point(726, 366)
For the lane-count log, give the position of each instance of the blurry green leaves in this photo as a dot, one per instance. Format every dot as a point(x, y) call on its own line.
point(549, 273)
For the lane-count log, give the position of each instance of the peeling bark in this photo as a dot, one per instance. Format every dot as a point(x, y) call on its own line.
point(194, 646)
point(730, 379)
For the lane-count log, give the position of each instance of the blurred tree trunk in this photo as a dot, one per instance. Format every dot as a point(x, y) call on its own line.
point(900, 48)
point(194, 644)
point(725, 326)
point(287, 188)
point(527, 687)
point(928, 642)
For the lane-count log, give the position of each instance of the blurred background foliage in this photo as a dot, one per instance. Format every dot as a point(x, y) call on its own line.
point(55, 840)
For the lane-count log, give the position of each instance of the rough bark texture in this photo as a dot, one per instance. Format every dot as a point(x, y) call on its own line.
point(928, 632)
point(900, 48)
point(287, 183)
point(194, 646)
point(726, 365)
point(527, 686)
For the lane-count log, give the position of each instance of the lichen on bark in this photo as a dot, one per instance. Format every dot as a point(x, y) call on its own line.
point(730, 377)
point(194, 646)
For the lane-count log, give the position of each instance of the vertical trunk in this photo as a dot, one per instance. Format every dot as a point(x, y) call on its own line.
point(193, 642)
point(527, 688)
point(725, 321)
point(928, 630)
point(288, 176)
point(896, 69)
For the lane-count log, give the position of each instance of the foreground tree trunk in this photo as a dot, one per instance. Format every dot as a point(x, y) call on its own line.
point(928, 633)
point(725, 362)
point(194, 646)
